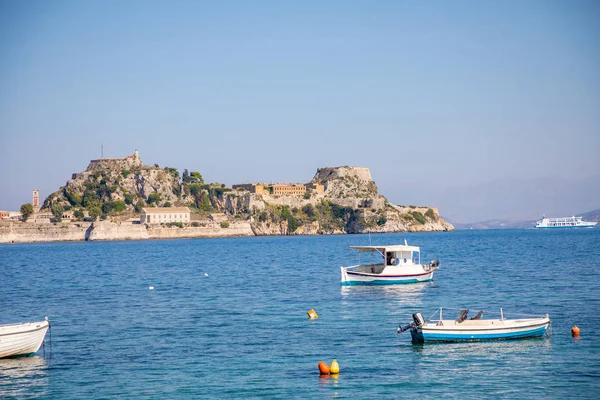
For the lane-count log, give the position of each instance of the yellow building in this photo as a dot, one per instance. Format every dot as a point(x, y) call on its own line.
point(280, 189)
point(289, 189)
point(317, 187)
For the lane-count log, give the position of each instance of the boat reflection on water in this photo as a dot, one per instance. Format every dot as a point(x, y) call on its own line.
point(22, 377)
point(392, 298)
point(488, 350)
point(403, 293)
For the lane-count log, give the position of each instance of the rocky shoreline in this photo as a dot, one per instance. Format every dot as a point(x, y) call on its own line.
point(19, 232)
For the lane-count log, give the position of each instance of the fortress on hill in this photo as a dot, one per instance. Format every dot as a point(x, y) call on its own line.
point(129, 162)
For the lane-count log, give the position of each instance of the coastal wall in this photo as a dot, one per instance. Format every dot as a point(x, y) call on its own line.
point(105, 230)
point(239, 228)
point(17, 232)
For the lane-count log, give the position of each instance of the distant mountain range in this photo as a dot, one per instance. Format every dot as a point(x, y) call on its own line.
point(509, 199)
point(593, 216)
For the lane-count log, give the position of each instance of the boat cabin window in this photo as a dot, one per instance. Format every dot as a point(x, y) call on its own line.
point(389, 258)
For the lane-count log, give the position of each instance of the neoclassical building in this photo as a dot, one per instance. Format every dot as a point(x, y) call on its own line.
point(162, 215)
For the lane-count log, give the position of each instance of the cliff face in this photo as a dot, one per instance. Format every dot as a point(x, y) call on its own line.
point(350, 203)
point(345, 182)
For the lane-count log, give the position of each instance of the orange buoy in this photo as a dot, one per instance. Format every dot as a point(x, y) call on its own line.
point(575, 331)
point(312, 314)
point(323, 368)
point(334, 368)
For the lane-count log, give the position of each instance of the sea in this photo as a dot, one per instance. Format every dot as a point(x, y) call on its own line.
point(227, 318)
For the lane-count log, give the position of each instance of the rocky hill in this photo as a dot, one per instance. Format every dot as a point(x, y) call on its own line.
point(115, 186)
point(347, 201)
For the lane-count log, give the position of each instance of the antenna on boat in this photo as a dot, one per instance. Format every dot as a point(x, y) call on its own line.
point(369, 238)
point(406, 244)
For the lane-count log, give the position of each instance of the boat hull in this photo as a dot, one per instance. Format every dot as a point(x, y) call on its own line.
point(566, 227)
point(501, 330)
point(352, 278)
point(22, 339)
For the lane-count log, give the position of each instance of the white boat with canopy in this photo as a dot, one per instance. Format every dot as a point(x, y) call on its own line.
point(22, 339)
point(388, 265)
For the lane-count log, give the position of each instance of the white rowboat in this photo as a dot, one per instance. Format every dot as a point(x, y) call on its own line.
point(21, 339)
point(474, 329)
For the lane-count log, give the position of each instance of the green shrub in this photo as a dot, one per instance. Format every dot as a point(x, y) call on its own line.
point(128, 198)
point(167, 204)
point(153, 198)
point(419, 217)
point(125, 173)
point(119, 206)
point(78, 214)
point(57, 211)
point(73, 198)
point(94, 213)
point(381, 220)
point(205, 203)
point(173, 172)
point(224, 224)
point(177, 191)
point(262, 217)
point(195, 224)
point(309, 210)
point(430, 214)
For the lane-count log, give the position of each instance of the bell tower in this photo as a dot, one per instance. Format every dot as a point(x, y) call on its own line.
point(36, 198)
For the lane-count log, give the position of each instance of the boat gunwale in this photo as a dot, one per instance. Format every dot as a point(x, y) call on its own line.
point(44, 325)
point(453, 328)
point(385, 276)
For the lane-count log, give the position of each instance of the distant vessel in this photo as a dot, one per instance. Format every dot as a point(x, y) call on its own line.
point(564, 222)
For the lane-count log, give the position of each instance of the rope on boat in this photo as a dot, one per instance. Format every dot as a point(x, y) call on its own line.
point(50, 341)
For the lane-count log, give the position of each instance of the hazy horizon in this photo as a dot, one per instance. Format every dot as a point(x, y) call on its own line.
point(482, 109)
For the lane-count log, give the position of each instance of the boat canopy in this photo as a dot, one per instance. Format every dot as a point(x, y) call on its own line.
point(383, 249)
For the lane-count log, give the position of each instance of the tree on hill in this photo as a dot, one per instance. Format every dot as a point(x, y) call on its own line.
point(57, 211)
point(94, 213)
point(26, 211)
point(196, 177)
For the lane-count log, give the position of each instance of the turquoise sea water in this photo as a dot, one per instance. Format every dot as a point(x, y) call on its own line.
point(227, 318)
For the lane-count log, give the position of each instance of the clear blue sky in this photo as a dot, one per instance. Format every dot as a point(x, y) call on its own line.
point(427, 94)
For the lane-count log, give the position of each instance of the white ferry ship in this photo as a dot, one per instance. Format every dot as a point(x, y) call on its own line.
point(565, 222)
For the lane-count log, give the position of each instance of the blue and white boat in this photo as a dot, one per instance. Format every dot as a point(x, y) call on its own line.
point(464, 329)
point(389, 265)
point(564, 222)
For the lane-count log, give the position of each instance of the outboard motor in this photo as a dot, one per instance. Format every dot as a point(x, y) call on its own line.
point(418, 318)
point(417, 322)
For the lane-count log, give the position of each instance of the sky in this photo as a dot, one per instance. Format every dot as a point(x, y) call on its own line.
point(444, 101)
